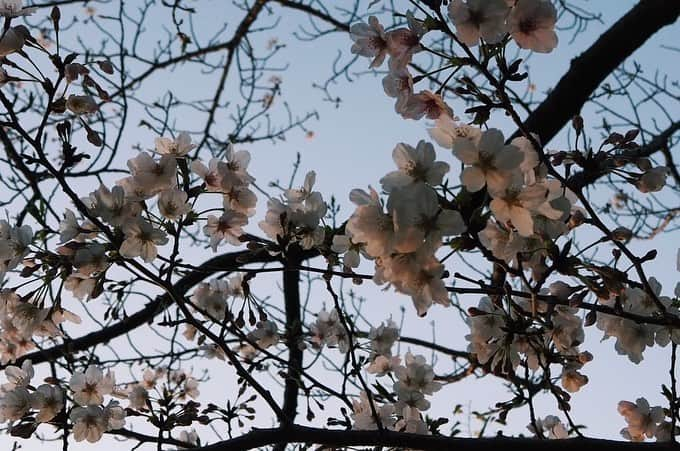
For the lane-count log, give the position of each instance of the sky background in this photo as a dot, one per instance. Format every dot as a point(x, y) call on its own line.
point(351, 147)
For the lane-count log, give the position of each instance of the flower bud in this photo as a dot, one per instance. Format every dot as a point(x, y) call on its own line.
point(81, 104)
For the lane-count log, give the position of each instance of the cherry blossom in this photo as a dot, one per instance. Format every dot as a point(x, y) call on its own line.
point(415, 376)
point(416, 274)
point(18, 377)
point(398, 83)
point(49, 400)
point(178, 147)
point(14, 404)
point(516, 205)
point(383, 337)
point(89, 423)
point(479, 18)
point(415, 165)
point(489, 162)
point(228, 227)
point(653, 179)
point(113, 205)
point(234, 169)
point(15, 8)
point(172, 203)
point(447, 130)
point(642, 419)
point(412, 422)
point(370, 224)
point(370, 40)
point(89, 387)
point(343, 244)
point(212, 297)
point(211, 175)
point(424, 104)
point(552, 425)
point(266, 334)
point(328, 330)
point(13, 40)
point(403, 43)
point(151, 176)
point(297, 220)
point(363, 414)
point(138, 397)
point(532, 25)
point(141, 239)
point(419, 220)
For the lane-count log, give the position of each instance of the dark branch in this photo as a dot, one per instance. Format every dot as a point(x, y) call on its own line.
point(590, 69)
point(334, 438)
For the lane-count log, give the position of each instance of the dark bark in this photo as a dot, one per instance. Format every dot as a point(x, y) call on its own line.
point(592, 67)
point(339, 438)
point(291, 295)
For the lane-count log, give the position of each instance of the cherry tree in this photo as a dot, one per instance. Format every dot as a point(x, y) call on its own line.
point(165, 296)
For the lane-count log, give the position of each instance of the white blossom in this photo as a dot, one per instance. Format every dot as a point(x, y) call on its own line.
point(49, 400)
point(89, 387)
point(141, 239)
point(488, 162)
point(228, 227)
point(266, 334)
point(172, 203)
point(479, 18)
point(363, 414)
point(551, 425)
point(370, 40)
point(414, 165)
point(642, 419)
point(177, 147)
point(89, 423)
point(532, 25)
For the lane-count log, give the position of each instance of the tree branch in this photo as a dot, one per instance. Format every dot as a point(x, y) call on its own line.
point(225, 262)
point(659, 142)
point(592, 67)
point(338, 438)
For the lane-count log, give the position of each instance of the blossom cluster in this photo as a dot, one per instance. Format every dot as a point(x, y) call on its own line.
point(212, 298)
point(118, 222)
point(21, 320)
point(530, 23)
point(645, 421)
point(297, 216)
point(403, 235)
point(633, 337)
point(18, 398)
point(89, 416)
point(502, 338)
point(413, 380)
point(87, 408)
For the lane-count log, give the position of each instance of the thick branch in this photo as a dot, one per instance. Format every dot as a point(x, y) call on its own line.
point(592, 67)
point(335, 438)
point(291, 295)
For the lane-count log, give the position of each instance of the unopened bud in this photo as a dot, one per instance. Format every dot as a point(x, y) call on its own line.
point(585, 357)
point(622, 234)
point(474, 311)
